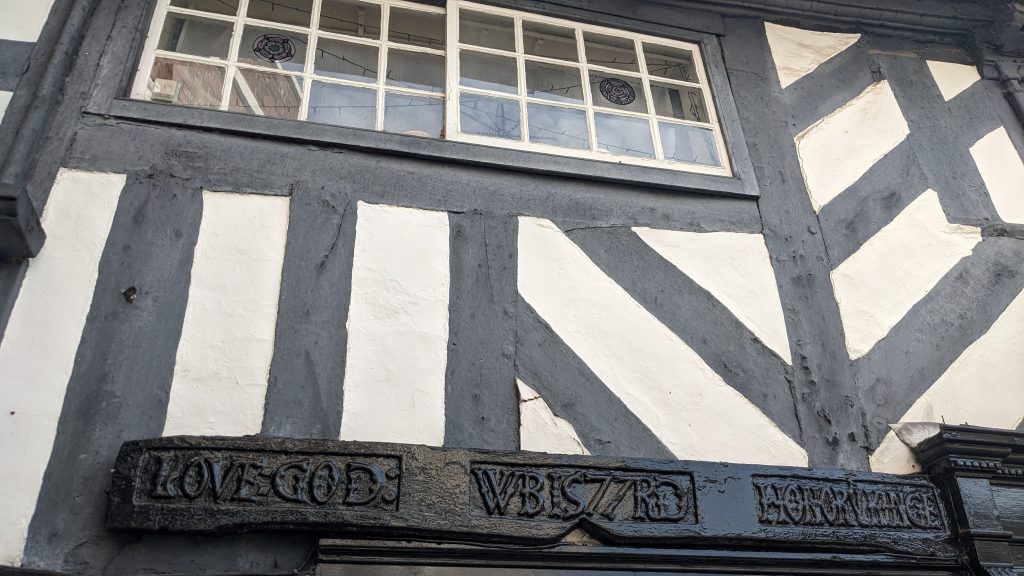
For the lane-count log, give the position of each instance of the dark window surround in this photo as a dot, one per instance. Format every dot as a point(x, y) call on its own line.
point(124, 50)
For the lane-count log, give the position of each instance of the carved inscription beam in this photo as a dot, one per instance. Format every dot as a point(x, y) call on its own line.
point(210, 485)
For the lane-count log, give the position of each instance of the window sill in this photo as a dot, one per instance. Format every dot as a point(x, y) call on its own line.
point(428, 148)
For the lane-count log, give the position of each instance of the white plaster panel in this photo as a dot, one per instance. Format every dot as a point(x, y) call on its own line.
point(952, 78)
point(5, 101)
point(737, 270)
point(892, 271)
point(37, 353)
point(23, 19)
point(227, 339)
point(397, 327)
point(983, 387)
point(1003, 172)
point(657, 376)
point(798, 52)
point(840, 148)
point(540, 430)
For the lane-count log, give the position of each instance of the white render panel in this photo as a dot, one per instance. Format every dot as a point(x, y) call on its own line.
point(23, 19)
point(840, 148)
point(397, 327)
point(227, 340)
point(658, 377)
point(5, 100)
point(540, 430)
point(799, 52)
point(892, 271)
point(737, 270)
point(983, 387)
point(952, 78)
point(37, 353)
point(1003, 172)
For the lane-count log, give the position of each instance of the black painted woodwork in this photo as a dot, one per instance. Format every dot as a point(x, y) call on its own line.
point(982, 471)
point(386, 503)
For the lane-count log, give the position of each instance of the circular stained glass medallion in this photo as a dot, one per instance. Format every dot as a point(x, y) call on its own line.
point(274, 48)
point(617, 91)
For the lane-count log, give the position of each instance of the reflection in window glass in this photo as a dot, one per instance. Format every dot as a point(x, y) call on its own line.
point(550, 41)
point(489, 72)
point(413, 115)
point(618, 92)
point(672, 63)
point(624, 135)
point(215, 6)
point(346, 60)
point(551, 82)
point(557, 126)
point(611, 52)
point(487, 30)
point(186, 83)
point(350, 17)
point(294, 12)
point(343, 105)
point(689, 144)
point(416, 27)
point(271, 48)
point(196, 36)
point(682, 102)
point(415, 70)
point(487, 116)
point(266, 94)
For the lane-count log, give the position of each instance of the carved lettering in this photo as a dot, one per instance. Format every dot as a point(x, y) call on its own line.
point(317, 481)
point(550, 494)
point(810, 502)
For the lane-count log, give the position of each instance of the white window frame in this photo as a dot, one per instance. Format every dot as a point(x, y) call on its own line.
point(452, 116)
point(452, 89)
point(231, 65)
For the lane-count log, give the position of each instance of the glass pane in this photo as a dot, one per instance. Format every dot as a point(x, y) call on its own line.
point(618, 92)
point(550, 41)
point(682, 102)
point(550, 82)
point(266, 94)
point(416, 27)
point(624, 136)
point(489, 72)
point(689, 144)
point(273, 49)
point(415, 70)
point(195, 36)
point(611, 52)
point(294, 12)
point(487, 30)
point(350, 17)
point(565, 127)
point(674, 63)
point(346, 60)
point(489, 116)
point(186, 83)
point(413, 115)
point(343, 105)
point(215, 6)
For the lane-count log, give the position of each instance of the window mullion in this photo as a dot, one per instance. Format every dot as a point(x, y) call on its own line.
point(451, 67)
point(307, 73)
point(524, 118)
point(236, 41)
point(382, 62)
point(588, 99)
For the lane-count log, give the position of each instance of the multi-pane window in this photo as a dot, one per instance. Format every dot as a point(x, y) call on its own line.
point(316, 60)
point(476, 74)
